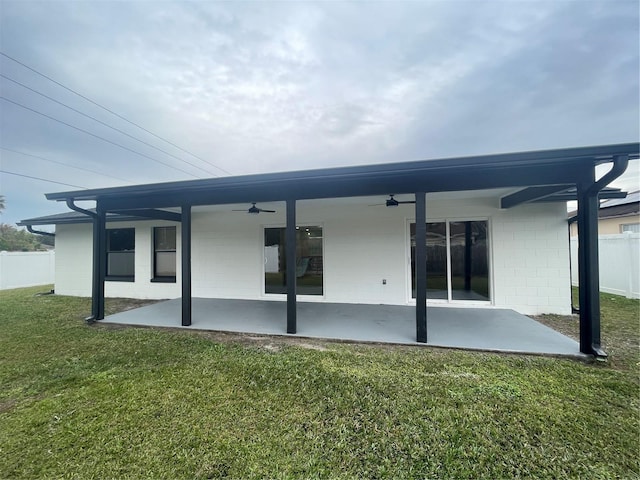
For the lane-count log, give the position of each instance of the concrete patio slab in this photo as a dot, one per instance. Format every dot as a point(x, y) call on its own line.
point(469, 328)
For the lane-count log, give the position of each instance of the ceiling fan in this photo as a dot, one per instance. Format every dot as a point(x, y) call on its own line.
point(392, 202)
point(253, 210)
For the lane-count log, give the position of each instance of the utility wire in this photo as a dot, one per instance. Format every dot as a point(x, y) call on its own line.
point(64, 164)
point(105, 124)
point(97, 136)
point(41, 179)
point(112, 112)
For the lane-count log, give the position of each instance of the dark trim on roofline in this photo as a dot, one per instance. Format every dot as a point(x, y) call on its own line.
point(579, 155)
point(397, 183)
point(39, 232)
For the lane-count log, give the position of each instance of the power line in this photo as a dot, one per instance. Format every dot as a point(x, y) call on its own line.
point(112, 112)
point(64, 164)
point(42, 179)
point(105, 124)
point(97, 136)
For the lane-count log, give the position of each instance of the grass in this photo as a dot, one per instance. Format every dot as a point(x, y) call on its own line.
point(97, 402)
point(620, 329)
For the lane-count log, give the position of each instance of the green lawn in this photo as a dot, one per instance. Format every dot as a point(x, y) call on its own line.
point(103, 402)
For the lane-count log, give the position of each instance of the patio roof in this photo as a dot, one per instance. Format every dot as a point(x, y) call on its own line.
point(523, 169)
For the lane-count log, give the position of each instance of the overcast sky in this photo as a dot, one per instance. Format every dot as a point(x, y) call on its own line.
point(262, 87)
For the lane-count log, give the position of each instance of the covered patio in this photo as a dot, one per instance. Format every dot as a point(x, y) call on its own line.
point(546, 176)
point(489, 329)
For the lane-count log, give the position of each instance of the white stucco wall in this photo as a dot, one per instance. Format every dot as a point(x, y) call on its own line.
point(73, 268)
point(362, 246)
point(73, 260)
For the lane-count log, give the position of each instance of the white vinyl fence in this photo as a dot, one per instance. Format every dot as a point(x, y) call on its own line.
point(619, 263)
point(26, 269)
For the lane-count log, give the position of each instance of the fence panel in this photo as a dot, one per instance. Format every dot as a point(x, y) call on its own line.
point(619, 263)
point(26, 269)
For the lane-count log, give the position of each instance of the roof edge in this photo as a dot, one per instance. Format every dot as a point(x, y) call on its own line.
point(597, 154)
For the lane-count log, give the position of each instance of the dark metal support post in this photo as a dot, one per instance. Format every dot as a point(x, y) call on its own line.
point(421, 267)
point(99, 222)
point(588, 267)
point(99, 261)
point(186, 264)
point(467, 256)
point(290, 242)
point(588, 271)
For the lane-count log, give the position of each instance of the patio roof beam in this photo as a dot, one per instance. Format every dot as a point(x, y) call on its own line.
point(421, 267)
point(290, 252)
point(531, 194)
point(185, 237)
point(152, 213)
point(315, 188)
point(606, 193)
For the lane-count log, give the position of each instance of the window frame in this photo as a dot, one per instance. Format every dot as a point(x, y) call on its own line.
point(163, 278)
point(281, 296)
point(119, 278)
point(624, 226)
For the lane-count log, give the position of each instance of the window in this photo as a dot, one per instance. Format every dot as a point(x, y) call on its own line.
point(121, 254)
point(164, 254)
point(457, 260)
point(630, 227)
point(309, 263)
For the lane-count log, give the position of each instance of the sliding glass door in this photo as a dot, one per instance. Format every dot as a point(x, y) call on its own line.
point(457, 260)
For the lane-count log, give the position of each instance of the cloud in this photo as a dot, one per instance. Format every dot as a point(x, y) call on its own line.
point(267, 86)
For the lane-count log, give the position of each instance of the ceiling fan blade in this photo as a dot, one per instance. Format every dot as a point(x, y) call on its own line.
point(407, 201)
point(267, 211)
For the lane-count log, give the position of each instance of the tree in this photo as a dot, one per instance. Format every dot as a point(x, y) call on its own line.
point(2, 203)
point(46, 240)
point(15, 240)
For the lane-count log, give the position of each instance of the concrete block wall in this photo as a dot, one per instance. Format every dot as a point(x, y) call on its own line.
point(531, 259)
point(529, 254)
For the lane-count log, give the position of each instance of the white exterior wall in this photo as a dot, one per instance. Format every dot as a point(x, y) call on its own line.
point(74, 262)
point(529, 253)
point(531, 259)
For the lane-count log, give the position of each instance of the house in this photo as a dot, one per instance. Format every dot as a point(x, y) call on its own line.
point(616, 215)
point(484, 231)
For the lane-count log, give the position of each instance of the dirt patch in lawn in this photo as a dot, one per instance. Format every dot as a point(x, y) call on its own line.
point(568, 325)
point(619, 330)
point(117, 305)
